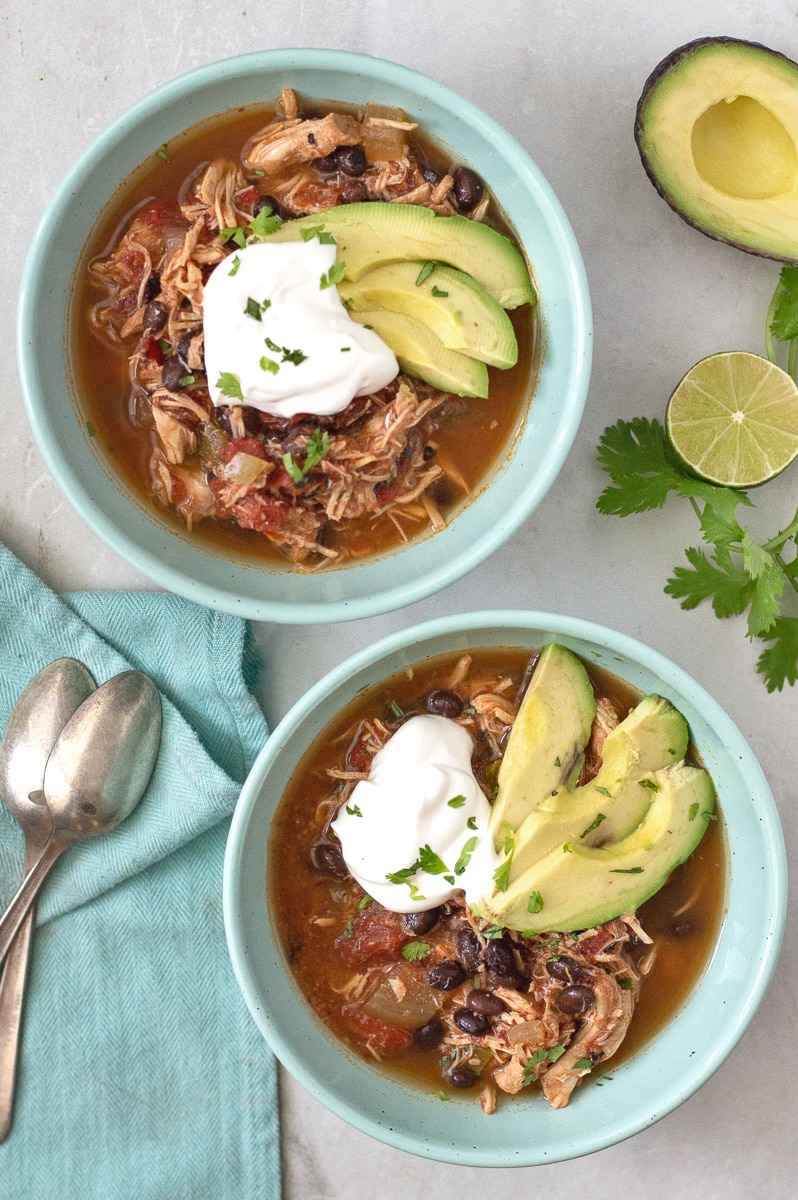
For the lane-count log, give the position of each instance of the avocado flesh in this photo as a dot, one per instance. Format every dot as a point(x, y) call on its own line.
point(612, 804)
point(456, 308)
point(588, 885)
point(717, 129)
point(422, 354)
point(371, 234)
point(546, 745)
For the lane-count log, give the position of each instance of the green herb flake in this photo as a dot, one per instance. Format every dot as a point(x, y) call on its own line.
point(414, 951)
point(333, 276)
point(557, 762)
point(424, 273)
point(465, 855)
point(349, 929)
point(556, 1052)
point(263, 224)
point(456, 802)
point(236, 264)
point(354, 810)
point(441, 1094)
point(583, 1064)
point(471, 822)
point(187, 380)
point(90, 430)
point(166, 347)
point(436, 291)
point(317, 231)
point(595, 824)
point(345, 349)
point(450, 879)
point(269, 364)
point(405, 874)
point(493, 932)
point(566, 847)
point(627, 871)
point(430, 862)
point(651, 784)
point(693, 811)
point(163, 152)
point(501, 876)
point(364, 902)
point(397, 709)
point(625, 983)
point(603, 791)
point(230, 385)
point(293, 468)
point(236, 234)
point(415, 894)
point(252, 309)
point(534, 903)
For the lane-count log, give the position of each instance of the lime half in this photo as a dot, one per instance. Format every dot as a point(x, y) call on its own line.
point(733, 419)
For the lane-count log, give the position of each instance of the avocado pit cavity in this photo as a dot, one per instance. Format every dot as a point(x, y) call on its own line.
point(743, 150)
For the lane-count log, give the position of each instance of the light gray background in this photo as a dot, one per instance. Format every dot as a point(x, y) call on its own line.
point(563, 78)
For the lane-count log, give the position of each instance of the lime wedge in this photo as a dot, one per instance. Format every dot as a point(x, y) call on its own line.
point(733, 419)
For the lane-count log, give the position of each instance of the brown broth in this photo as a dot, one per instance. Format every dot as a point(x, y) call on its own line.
point(298, 895)
point(477, 435)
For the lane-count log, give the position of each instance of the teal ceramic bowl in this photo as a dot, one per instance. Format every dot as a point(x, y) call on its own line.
point(133, 528)
point(645, 1087)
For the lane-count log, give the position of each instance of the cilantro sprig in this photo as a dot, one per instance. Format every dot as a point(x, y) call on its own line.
point(733, 570)
point(318, 446)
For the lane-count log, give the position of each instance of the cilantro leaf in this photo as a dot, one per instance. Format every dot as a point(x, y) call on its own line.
point(333, 276)
point(729, 588)
point(778, 664)
point(430, 862)
point(784, 324)
point(634, 455)
point(264, 223)
point(465, 855)
point(413, 951)
point(230, 385)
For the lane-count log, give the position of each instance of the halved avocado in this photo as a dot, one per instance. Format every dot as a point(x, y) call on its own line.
point(459, 310)
point(422, 354)
point(717, 132)
point(373, 233)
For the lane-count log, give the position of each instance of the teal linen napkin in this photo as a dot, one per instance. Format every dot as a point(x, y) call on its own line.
point(141, 1073)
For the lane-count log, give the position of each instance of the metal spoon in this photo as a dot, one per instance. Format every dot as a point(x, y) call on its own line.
point(40, 714)
point(95, 776)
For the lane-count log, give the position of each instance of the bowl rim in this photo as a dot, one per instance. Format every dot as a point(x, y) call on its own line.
point(137, 551)
point(773, 887)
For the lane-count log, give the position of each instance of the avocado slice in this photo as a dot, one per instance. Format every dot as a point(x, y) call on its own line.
point(545, 749)
point(422, 354)
point(582, 886)
point(612, 804)
point(717, 129)
point(455, 307)
point(373, 233)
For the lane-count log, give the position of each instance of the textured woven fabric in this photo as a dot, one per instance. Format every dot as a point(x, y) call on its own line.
point(141, 1075)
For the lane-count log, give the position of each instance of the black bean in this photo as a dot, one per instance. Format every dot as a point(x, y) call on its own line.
point(351, 160)
point(154, 316)
point(462, 1077)
point(428, 453)
point(327, 858)
point(485, 1002)
point(431, 175)
point(469, 948)
point(474, 1023)
point(446, 975)
point(172, 372)
point(428, 1036)
point(153, 287)
point(576, 998)
point(353, 192)
point(506, 979)
point(467, 188)
point(566, 969)
point(326, 165)
point(422, 922)
point(499, 954)
point(268, 202)
point(444, 703)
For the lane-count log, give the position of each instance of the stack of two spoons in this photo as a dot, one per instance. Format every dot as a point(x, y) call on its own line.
point(74, 762)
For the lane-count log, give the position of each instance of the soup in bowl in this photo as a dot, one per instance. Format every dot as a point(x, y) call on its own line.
point(482, 972)
point(326, 331)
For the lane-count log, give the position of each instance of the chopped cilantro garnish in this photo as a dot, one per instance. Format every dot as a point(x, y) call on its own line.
point(456, 802)
point(364, 902)
point(313, 231)
point(397, 709)
point(465, 855)
point(187, 380)
point(535, 903)
point(693, 811)
point(235, 233)
point(90, 430)
point(627, 871)
point(236, 264)
point(450, 879)
point(650, 784)
point(501, 876)
point(595, 824)
point(441, 1094)
point(268, 364)
point(349, 929)
point(345, 349)
point(293, 356)
point(583, 1064)
point(493, 932)
point(263, 224)
point(625, 983)
point(413, 951)
point(557, 762)
point(566, 847)
point(333, 276)
point(425, 273)
point(471, 822)
point(162, 152)
point(604, 791)
point(354, 810)
point(436, 291)
point(230, 385)
point(317, 446)
point(430, 862)
point(405, 875)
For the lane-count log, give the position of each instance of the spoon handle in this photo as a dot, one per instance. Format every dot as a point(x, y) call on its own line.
point(12, 988)
point(14, 915)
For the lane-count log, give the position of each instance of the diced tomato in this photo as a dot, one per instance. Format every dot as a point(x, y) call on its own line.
point(374, 1033)
point(153, 351)
point(377, 937)
point(243, 446)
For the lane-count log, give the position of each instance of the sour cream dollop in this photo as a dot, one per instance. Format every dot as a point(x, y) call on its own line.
point(274, 332)
point(420, 807)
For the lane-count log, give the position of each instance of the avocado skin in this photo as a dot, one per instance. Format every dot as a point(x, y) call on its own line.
point(669, 63)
